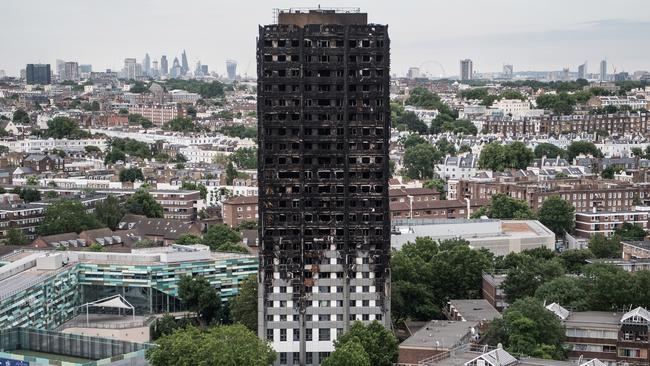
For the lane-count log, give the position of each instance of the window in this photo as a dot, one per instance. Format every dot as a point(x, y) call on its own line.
point(324, 334)
point(283, 335)
point(269, 334)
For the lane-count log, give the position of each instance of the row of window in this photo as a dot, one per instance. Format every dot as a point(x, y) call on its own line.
point(324, 43)
point(322, 131)
point(323, 87)
point(296, 73)
point(338, 146)
point(321, 117)
point(338, 59)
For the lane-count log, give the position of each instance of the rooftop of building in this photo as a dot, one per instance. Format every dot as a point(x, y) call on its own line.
point(441, 334)
point(593, 319)
point(641, 244)
point(475, 309)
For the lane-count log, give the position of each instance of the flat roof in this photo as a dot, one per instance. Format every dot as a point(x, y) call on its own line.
point(593, 319)
point(475, 309)
point(440, 334)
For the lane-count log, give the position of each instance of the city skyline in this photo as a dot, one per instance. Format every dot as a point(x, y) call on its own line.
point(422, 36)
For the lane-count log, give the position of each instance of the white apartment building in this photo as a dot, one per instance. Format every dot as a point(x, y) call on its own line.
point(514, 107)
point(39, 145)
point(458, 167)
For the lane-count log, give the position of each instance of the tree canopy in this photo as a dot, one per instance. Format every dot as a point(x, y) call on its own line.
point(245, 158)
point(557, 215)
point(427, 273)
point(243, 307)
point(143, 203)
point(583, 147)
point(379, 343)
point(67, 216)
point(200, 297)
point(497, 157)
point(109, 212)
point(131, 175)
point(419, 161)
point(182, 125)
point(528, 328)
point(219, 345)
point(549, 150)
point(605, 247)
point(64, 128)
point(349, 354)
point(222, 238)
point(502, 206)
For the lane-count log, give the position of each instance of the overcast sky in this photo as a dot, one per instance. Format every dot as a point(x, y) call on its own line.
point(434, 34)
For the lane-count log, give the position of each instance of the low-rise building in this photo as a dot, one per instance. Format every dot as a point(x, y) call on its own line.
point(158, 114)
point(606, 223)
point(239, 209)
point(498, 236)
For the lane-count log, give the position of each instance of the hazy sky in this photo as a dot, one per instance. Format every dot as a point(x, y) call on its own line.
point(434, 34)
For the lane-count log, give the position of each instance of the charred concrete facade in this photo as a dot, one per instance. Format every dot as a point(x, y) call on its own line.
point(324, 125)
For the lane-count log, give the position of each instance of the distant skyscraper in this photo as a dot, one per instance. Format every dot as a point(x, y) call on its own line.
point(197, 69)
point(130, 68)
point(86, 68)
point(176, 69)
point(582, 71)
point(146, 65)
point(185, 67)
point(155, 71)
point(38, 74)
point(231, 69)
point(508, 71)
point(204, 70)
point(60, 68)
point(164, 70)
point(71, 71)
point(603, 70)
point(466, 69)
point(414, 72)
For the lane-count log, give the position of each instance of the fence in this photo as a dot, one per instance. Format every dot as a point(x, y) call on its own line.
point(73, 345)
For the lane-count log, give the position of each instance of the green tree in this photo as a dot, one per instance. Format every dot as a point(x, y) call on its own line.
point(565, 290)
point(245, 158)
point(200, 297)
point(629, 231)
point(575, 259)
point(109, 212)
point(549, 150)
point(349, 354)
point(240, 131)
point(558, 215)
point(502, 206)
point(583, 147)
point(426, 274)
point(604, 247)
point(523, 279)
point(20, 116)
point(189, 239)
point(247, 225)
point(460, 126)
point(16, 237)
point(610, 171)
point(419, 161)
point(142, 203)
point(182, 125)
point(412, 140)
point(92, 149)
point(378, 342)
point(609, 288)
point(445, 147)
point(518, 155)
point(67, 216)
point(413, 123)
point(94, 247)
point(29, 194)
point(64, 128)
point(528, 328)
point(131, 175)
point(220, 345)
point(221, 237)
point(439, 186)
point(114, 156)
point(243, 307)
point(493, 157)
